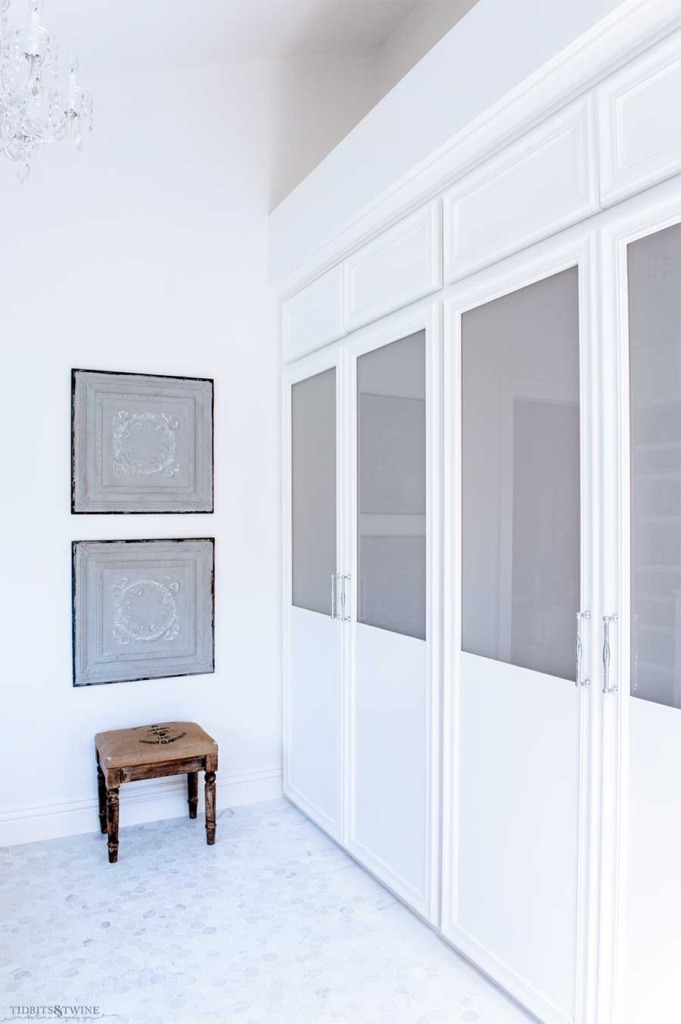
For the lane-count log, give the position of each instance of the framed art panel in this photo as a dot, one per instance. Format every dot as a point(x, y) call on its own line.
point(141, 443)
point(142, 609)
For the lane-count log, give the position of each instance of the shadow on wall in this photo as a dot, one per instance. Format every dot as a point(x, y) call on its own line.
point(324, 95)
point(415, 36)
point(321, 98)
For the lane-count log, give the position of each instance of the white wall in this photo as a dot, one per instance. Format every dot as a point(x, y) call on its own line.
point(423, 27)
point(148, 252)
point(316, 102)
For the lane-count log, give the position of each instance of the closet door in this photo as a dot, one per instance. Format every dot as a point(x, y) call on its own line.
point(312, 628)
point(518, 528)
point(393, 610)
point(643, 578)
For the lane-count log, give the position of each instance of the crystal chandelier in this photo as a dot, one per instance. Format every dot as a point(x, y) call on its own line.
point(34, 109)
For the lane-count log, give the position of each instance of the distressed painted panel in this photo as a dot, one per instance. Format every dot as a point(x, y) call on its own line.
point(141, 443)
point(142, 609)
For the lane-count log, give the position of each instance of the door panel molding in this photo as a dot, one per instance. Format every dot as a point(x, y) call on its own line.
point(504, 975)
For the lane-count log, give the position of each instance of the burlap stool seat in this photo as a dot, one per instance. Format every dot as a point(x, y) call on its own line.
point(150, 752)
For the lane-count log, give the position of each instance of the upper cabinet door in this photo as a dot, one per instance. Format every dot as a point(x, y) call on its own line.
point(518, 523)
point(639, 117)
point(533, 188)
point(313, 317)
point(312, 628)
point(400, 266)
point(392, 819)
point(643, 575)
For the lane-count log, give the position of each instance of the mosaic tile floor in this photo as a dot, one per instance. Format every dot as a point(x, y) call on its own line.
point(272, 925)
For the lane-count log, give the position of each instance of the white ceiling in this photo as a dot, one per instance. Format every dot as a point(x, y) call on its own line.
point(114, 34)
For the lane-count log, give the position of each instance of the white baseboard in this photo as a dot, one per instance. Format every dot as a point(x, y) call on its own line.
point(139, 802)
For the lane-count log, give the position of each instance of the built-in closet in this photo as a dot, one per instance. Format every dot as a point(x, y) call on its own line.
point(482, 552)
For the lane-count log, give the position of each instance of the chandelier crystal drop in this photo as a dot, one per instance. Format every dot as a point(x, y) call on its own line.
point(34, 107)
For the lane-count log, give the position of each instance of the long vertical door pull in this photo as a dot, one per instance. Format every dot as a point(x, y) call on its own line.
point(579, 652)
point(607, 619)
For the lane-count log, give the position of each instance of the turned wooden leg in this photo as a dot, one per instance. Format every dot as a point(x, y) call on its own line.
point(112, 823)
point(192, 792)
point(210, 808)
point(101, 793)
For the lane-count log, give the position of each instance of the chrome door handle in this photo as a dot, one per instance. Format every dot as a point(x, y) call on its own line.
point(579, 650)
point(607, 619)
point(343, 616)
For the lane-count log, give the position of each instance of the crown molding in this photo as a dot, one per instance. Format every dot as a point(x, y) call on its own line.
point(630, 29)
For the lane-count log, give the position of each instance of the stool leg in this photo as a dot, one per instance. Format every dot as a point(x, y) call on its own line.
point(112, 823)
point(101, 793)
point(192, 792)
point(210, 808)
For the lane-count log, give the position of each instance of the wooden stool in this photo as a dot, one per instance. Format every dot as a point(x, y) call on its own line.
point(150, 752)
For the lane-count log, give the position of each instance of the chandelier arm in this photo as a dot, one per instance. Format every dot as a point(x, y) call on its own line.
point(34, 109)
point(34, 65)
point(45, 132)
point(14, 156)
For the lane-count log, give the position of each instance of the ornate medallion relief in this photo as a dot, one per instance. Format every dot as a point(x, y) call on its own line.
point(145, 610)
point(145, 444)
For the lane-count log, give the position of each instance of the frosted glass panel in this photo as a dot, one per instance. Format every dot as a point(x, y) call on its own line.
point(391, 385)
point(521, 532)
point(313, 445)
point(655, 416)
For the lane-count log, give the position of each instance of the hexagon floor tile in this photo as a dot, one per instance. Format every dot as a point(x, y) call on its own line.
point(272, 925)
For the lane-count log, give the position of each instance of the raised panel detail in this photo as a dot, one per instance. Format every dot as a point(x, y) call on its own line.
point(390, 757)
point(313, 718)
point(516, 832)
point(640, 122)
point(313, 317)
point(652, 946)
point(537, 186)
point(400, 266)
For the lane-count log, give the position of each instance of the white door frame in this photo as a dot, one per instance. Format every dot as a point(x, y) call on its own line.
point(575, 247)
point(643, 215)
